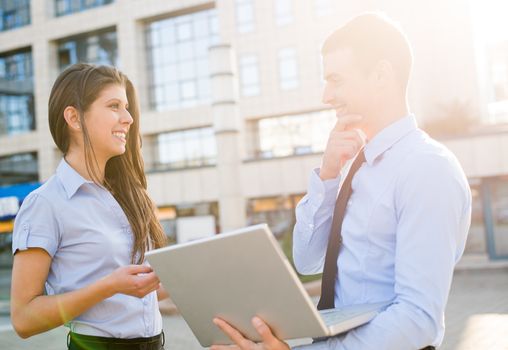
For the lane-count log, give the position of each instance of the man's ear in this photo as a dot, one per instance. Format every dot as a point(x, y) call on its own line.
point(383, 73)
point(71, 116)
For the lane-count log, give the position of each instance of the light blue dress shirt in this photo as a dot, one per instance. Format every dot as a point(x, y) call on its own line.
point(404, 230)
point(88, 236)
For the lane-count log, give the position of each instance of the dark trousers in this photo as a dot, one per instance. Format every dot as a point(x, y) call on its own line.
point(87, 342)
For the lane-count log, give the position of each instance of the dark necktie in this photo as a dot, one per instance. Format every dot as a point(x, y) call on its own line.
point(327, 300)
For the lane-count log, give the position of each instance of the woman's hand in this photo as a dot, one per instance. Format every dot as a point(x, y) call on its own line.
point(134, 280)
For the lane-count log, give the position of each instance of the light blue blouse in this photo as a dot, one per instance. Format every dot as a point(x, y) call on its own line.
point(88, 236)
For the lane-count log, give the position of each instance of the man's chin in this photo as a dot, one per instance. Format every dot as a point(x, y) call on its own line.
point(339, 115)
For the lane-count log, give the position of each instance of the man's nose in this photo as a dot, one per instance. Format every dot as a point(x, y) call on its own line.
point(327, 95)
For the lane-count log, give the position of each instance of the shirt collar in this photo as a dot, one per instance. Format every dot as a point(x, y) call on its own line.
point(70, 178)
point(389, 136)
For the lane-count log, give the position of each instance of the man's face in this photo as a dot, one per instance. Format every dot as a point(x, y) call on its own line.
point(348, 88)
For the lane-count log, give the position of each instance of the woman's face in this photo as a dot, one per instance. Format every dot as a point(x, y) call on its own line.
point(108, 121)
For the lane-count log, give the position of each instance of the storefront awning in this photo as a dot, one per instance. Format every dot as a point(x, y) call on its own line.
point(11, 198)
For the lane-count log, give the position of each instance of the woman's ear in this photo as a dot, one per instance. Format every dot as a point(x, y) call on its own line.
point(71, 116)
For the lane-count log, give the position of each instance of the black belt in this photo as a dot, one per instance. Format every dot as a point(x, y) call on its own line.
point(88, 342)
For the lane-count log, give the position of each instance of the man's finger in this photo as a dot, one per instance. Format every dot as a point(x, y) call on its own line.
point(264, 331)
point(353, 134)
point(224, 347)
point(347, 120)
point(233, 334)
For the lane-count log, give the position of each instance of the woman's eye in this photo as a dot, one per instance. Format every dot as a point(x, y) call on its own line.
point(115, 106)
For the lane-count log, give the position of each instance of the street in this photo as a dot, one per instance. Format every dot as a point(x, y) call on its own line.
point(476, 318)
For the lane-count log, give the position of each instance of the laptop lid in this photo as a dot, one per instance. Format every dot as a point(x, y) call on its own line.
point(236, 276)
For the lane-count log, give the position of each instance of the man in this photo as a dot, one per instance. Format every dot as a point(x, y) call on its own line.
point(407, 213)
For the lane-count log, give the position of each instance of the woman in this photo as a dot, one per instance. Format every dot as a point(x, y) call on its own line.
point(82, 235)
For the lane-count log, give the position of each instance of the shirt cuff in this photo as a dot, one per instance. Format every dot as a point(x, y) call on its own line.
point(322, 192)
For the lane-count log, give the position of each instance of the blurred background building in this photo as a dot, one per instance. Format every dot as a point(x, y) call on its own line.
point(230, 93)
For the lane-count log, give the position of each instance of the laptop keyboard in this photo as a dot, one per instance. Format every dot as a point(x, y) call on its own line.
point(335, 316)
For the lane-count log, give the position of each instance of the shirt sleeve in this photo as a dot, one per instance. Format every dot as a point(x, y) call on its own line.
point(329, 344)
point(35, 226)
point(433, 204)
point(313, 222)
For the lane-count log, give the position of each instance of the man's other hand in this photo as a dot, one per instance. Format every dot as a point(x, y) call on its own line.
point(270, 342)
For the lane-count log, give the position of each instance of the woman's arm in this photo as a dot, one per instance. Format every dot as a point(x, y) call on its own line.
point(32, 312)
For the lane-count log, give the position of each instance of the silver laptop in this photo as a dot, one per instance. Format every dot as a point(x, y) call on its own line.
point(241, 274)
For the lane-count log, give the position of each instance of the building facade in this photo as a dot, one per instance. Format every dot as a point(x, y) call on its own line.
point(230, 93)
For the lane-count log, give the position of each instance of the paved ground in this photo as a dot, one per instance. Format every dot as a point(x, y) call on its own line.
point(476, 318)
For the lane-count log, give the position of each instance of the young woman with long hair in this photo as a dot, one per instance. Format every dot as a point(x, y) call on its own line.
point(79, 240)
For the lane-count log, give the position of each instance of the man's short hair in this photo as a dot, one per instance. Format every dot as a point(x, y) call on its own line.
point(373, 37)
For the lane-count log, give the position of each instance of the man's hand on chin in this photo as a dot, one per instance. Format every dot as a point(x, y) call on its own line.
point(270, 342)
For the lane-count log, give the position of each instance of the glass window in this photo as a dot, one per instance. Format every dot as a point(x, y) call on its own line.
point(277, 212)
point(16, 96)
point(499, 193)
point(184, 31)
point(476, 242)
point(283, 12)
point(323, 7)
point(178, 62)
point(170, 215)
point(291, 134)
point(14, 14)
point(497, 56)
point(249, 75)
point(185, 148)
point(65, 7)
point(245, 15)
point(19, 168)
point(96, 48)
point(288, 69)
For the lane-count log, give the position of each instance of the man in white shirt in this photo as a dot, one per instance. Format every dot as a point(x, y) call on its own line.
point(404, 222)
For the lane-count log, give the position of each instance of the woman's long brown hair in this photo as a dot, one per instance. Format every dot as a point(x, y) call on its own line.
point(79, 86)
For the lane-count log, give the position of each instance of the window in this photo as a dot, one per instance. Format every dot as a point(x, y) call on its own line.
point(498, 187)
point(178, 59)
point(283, 12)
point(245, 15)
point(16, 96)
point(16, 114)
point(291, 134)
point(14, 14)
point(288, 69)
point(476, 242)
point(171, 217)
point(497, 55)
point(19, 168)
point(323, 7)
point(95, 48)
point(65, 7)
point(186, 148)
point(249, 75)
point(277, 212)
